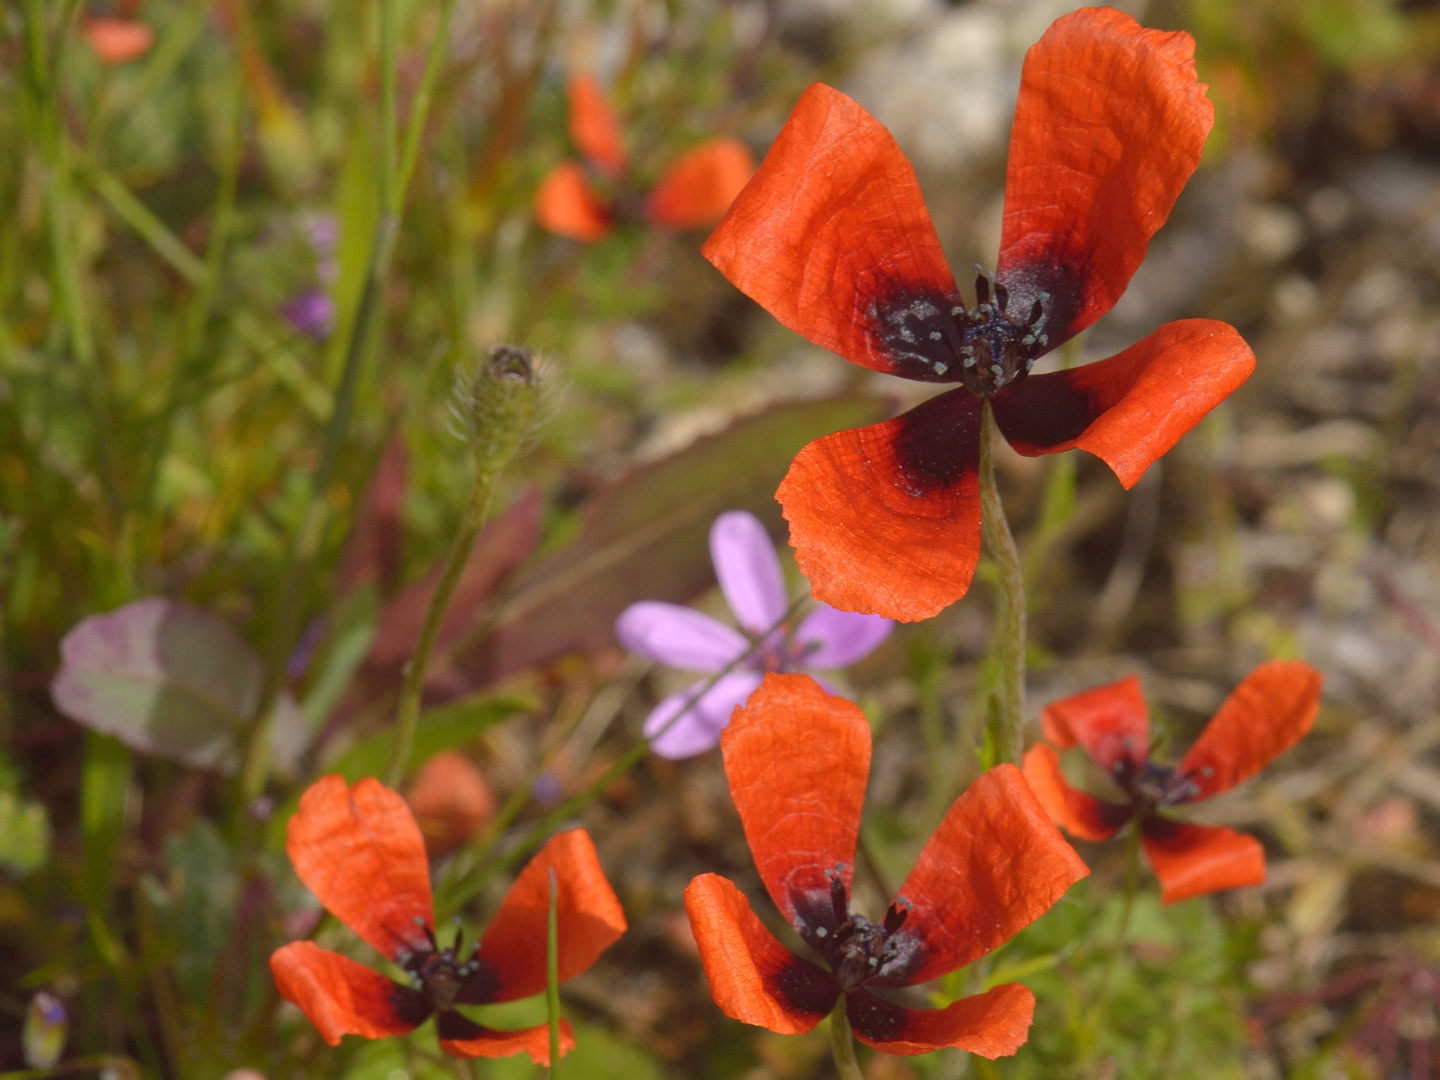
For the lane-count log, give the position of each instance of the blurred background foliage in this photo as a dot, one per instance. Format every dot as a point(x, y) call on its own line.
point(182, 257)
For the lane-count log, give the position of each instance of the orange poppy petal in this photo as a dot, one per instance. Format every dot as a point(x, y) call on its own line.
point(462, 1037)
point(1191, 860)
point(1108, 128)
point(1266, 715)
point(1080, 814)
point(342, 997)
point(885, 519)
point(512, 952)
point(753, 978)
point(995, 865)
point(832, 238)
point(797, 759)
point(1130, 409)
point(451, 801)
point(1111, 722)
point(117, 40)
point(566, 205)
point(359, 851)
point(991, 1024)
point(700, 185)
point(594, 127)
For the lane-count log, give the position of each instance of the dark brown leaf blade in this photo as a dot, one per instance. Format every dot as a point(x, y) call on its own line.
point(645, 537)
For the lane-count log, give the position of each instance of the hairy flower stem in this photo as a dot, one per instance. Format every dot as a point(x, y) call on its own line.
point(842, 1045)
point(1010, 616)
point(552, 974)
point(305, 542)
point(503, 399)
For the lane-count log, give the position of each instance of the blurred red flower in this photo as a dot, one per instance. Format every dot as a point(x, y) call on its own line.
point(451, 801)
point(797, 760)
point(359, 851)
point(832, 237)
point(693, 192)
point(1266, 715)
point(116, 39)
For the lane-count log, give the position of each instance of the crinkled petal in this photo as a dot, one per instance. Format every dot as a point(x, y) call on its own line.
point(830, 638)
point(994, 865)
point(566, 205)
point(590, 920)
point(1130, 409)
point(797, 759)
point(594, 127)
point(991, 1024)
point(886, 519)
point(1191, 860)
point(1111, 722)
point(1108, 128)
point(462, 1037)
point(362, 855)
point(342, 997)
point(678, 637)
point(1080, 814)
point(1266, 715)
point(699, 729)
point(753, 978)
point(749, 571)
point(699, 186)
point(832, 238)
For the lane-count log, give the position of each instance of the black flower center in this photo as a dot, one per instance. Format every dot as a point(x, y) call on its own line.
point(857, 949)
point(1154, 787)
point(438, 973)
point(982, 347)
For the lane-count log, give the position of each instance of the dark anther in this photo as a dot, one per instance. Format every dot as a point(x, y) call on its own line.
point(982, 287)
point(895, 917)
point(838, 900)
point(1036, 311)
point(1002, 297)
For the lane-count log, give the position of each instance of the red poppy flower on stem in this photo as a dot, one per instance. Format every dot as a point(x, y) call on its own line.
point(797, 760)
point(693, 192)
point(360, 852)
point(832, 237)
point(1266, 715)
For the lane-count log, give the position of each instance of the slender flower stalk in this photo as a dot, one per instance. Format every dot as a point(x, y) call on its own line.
point(1010, 616)
point(501, 402)
point(305, 543)
point(842, 1045)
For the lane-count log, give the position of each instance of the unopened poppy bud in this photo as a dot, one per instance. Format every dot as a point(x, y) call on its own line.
point(497, 404)
point(44, 1033)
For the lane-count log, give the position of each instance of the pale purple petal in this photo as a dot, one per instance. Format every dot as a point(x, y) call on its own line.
point(678, 636)
point(828, 638)
point(748, 569)
point(699, 728)
point(311, 312)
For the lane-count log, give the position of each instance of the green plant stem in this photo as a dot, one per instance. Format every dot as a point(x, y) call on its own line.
point(1117, 944)
point(305, 543)
point(1010, 617)
point(552, 974)
point(408, 711)
point(842, 1044)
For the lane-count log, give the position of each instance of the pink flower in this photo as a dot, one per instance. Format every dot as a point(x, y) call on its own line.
point(754, 587)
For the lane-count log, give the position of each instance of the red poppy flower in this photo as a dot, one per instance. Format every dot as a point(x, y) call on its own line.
point(832, 237)
point(1266, 715)
point(116, 39)
point(359, 851)
point(797, 759)
point(693, 192)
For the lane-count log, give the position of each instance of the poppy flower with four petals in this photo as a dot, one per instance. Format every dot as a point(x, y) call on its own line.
point(832, 237)
point(1268, 713)
point(754, 587)
point(360, 852)
point(692, 193)
point(797, 759)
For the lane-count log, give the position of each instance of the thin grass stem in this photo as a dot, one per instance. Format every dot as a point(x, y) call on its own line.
point(1010, 616)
